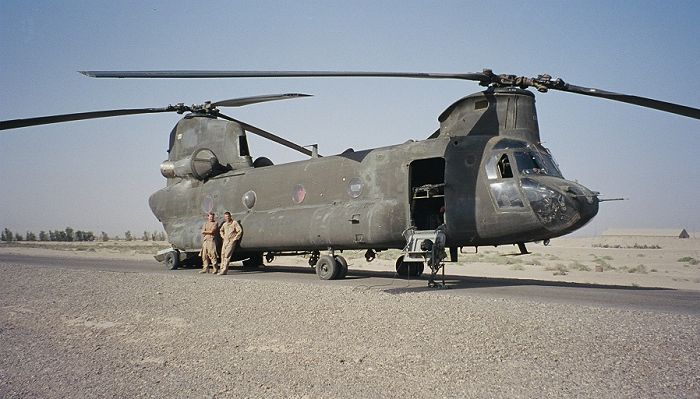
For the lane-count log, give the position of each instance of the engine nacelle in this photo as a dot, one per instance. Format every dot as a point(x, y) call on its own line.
point(200, 165)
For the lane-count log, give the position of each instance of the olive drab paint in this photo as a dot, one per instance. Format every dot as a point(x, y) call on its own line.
point(483, 178)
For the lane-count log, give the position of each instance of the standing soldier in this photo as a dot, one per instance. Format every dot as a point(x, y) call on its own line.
point(209, 231)
point(231, 232)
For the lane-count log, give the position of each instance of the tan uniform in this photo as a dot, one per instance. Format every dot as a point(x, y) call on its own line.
point(209, 254)
point(231, 233)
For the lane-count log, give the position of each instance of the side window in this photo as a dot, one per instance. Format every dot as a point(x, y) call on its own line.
point(243, 146)
point(506, 195)
point(504, 169)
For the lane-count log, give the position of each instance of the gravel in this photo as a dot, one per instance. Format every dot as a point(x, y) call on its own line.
point(84, 333)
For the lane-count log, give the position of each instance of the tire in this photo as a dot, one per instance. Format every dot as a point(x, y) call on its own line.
point(253, 262)
point(408, 269)
point(172, 260)
point(342, 265)
point(417, 269)
point(327, 268)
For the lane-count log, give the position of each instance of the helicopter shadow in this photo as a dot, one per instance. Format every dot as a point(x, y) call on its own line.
point(455, 282)
point(451, 281)
point(267, 269)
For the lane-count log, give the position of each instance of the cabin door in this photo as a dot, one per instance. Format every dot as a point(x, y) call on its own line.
point(427, 193)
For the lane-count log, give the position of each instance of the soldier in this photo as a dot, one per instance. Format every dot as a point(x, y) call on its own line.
point(231, 232)
point(209, 232)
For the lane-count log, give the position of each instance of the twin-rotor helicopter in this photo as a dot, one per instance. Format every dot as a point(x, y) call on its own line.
point(483, 178)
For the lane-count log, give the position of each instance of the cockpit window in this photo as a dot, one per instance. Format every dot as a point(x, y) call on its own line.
point(504, 167)
point(528, 163)
point(532, 161)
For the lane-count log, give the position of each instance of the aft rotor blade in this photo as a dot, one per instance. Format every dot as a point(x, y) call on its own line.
point(267, 135)
point(193, 74)
point(636, 100)
point(45, 120)
point(239, 102)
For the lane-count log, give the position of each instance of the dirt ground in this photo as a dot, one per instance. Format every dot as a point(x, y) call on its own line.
point(626, 261)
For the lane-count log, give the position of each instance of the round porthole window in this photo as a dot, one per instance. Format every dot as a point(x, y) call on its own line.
point(298, 194)
point(355, 187)
point(249, 199)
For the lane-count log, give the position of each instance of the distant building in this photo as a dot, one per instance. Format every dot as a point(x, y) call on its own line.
point(674, 233)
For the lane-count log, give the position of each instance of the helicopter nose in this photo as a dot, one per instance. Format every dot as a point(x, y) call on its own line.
point(584, 200)
point(560, 205)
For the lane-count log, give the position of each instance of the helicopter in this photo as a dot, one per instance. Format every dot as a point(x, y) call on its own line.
point(482, 179)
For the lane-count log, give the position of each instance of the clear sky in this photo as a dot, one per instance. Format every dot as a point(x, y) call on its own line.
point(97, 175)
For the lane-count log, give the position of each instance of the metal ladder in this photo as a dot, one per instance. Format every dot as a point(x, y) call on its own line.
point(427, 247)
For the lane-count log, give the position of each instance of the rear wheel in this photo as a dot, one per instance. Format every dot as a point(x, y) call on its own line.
point(342, 266)
point(327, 268)
point(172, 260)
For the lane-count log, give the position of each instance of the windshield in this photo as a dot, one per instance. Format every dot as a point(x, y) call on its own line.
point(534, 161)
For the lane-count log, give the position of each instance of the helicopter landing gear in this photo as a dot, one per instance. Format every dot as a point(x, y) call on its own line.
point(370, 255)
point(331, 267)
point(408, 269)
point(522, 248)
point(172, 259)
point(313, 259)
point(327, 268)
point(343, 265)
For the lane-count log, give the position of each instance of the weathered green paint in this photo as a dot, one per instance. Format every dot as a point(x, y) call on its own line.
point(330, 217)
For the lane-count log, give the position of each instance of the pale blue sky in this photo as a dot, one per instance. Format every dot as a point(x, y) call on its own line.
point(97, 175)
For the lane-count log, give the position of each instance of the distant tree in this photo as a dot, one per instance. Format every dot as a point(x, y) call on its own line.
point(7, 235)
point(79, 235)
point(69, 234)
point(154, 236)
point(104, 236)
point(43, 236)
point(161, 236)
point(128, 236)
point(61, 235)
point(145, 236)
point(89, 236)
point(18, 237)
point(31, 236)
point(52, 236)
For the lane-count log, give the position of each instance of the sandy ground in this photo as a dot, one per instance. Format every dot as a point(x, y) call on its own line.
point(626, 261)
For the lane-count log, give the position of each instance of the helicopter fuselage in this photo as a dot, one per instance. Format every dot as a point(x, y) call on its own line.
point(368, 199)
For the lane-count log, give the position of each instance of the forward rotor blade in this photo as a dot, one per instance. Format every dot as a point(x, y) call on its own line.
point(239, 102)
point(636, 100)
point(193, 74)
point(267, 135)
point(45, 120)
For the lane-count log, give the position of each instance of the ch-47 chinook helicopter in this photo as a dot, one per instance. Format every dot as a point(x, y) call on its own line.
point(483, 178)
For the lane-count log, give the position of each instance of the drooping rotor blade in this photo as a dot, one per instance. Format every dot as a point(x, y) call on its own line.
point(543, 83)
point(239, 102)
point(193, 74)
point(45, 120)
point(267, 135)
point(636, 100)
